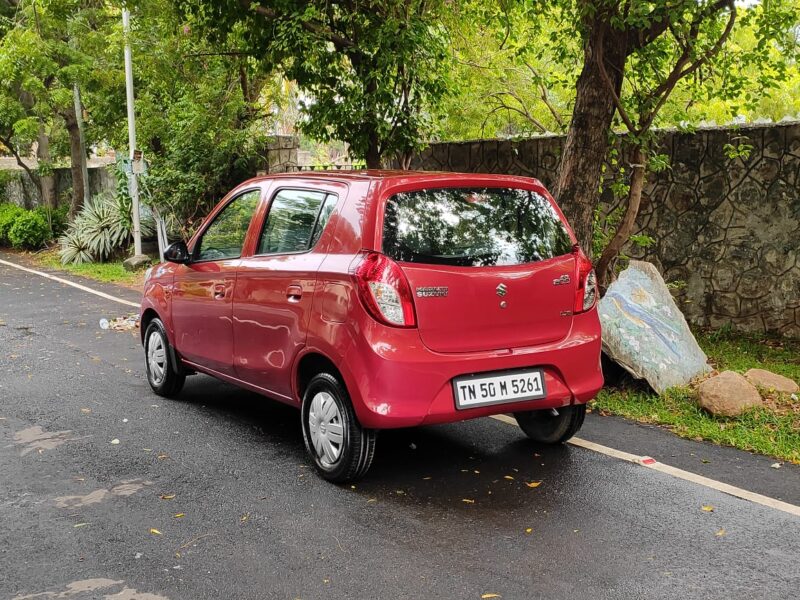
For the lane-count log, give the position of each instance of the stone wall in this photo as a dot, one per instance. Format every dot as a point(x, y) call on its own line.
point(727, 230)
point(16, 186)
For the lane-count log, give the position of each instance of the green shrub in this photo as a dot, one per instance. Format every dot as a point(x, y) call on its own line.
point(8, 215)
point(56, 217)
point(30, 231)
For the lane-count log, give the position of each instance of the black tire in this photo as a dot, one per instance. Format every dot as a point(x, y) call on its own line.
point(546, 428)
point(357, 446)
point(170, 380)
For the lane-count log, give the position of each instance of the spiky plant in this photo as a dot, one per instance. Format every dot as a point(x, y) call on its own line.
point(103, 226)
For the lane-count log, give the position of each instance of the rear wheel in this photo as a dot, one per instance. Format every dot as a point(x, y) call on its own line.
point(163, 375)
point(552, 426)
point(341, 449)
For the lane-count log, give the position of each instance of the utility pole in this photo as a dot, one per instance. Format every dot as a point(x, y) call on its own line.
point(133, 183)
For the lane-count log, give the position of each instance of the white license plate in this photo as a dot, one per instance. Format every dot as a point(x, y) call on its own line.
point(510, 386)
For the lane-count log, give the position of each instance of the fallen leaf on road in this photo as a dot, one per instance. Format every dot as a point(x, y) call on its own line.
point(180, 515)
point(244, 517)
point(468, 501)
point(529, 530)
point(507, 477)
point(86, 411)
point(167, 496)
point(115, 441)
point(721, 533)
point(534, 484)
point(775, 465)
point(155, 531)
point(163, 456)
point(79, 525)
point(484, 596)
point(708, 508)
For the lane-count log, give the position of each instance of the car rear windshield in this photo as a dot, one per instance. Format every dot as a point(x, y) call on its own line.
point(473, 227)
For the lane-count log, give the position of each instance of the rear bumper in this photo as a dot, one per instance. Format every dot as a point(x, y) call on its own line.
point(395, 381)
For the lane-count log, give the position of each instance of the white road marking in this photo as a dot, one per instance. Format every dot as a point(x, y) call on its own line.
point(644, 461)
point(70, 283)
point(650, 463)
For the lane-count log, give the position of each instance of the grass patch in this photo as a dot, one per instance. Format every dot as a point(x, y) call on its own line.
point(108, 272)
point(773, 430)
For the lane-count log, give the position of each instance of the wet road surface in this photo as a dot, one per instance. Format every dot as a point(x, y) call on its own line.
point(211, 496)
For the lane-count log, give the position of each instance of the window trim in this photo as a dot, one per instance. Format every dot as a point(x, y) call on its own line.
point(199, 241)
point(277, 191)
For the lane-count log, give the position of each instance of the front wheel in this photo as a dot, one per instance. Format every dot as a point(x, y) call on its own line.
point(341, 449)
point(551, 426)
point(163, 376)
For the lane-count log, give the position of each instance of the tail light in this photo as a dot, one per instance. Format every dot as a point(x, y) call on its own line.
point(385, 291)
point(586, 294)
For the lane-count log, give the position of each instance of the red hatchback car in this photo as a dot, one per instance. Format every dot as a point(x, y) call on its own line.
point(382, 299)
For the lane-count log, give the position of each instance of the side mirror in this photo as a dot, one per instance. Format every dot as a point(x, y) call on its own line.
point(177, 253)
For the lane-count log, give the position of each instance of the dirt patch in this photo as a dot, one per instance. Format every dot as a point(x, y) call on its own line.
point(93, 589)
point(125, 488)
point(37, 439)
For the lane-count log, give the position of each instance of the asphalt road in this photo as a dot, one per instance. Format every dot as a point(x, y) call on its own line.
point(211, 496)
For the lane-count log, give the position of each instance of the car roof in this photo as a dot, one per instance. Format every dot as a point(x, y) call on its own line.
point(389, 175)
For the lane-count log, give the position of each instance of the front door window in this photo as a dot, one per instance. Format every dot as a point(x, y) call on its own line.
point(224, 238)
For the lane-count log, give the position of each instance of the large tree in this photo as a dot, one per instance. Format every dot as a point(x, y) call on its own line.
point(47, 50)
point(634, 56)
point(370, 70)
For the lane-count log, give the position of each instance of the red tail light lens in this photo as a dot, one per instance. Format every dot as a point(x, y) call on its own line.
point(586, 294)
point(385, 291)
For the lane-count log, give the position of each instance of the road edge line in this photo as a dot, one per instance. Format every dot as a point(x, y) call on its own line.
point(83, 288)
point(650, 463)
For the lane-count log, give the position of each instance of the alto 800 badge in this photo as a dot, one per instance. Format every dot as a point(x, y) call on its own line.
point(431, 292)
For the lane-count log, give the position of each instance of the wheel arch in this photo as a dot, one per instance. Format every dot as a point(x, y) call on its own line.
point(147, 317)
point(308, 365)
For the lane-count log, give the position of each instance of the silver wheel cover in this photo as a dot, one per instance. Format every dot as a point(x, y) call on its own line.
point(326, 429)
point(156, 358)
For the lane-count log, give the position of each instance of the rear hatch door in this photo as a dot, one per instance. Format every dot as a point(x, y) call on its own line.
point(489, 268)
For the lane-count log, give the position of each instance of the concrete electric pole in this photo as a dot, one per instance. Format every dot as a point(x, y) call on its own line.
point(133, 183)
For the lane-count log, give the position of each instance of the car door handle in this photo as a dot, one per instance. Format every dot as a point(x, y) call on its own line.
point(219, 291)
point(294, 293)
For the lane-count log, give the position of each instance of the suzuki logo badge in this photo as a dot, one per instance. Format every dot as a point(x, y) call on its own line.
point(501, 290)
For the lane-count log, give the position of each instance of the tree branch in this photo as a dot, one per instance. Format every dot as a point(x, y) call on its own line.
point(33, 177)
point(522, 110)
point(314, 27)
point(640, 37)
point(604, 74)
point(663, 91)
point(545, 96)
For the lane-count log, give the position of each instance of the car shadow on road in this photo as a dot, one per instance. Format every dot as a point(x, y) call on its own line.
point(455, 466)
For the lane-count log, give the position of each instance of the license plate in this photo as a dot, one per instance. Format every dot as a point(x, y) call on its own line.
point(509, 386)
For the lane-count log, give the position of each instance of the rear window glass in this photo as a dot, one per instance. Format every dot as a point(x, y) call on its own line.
point(473, 227)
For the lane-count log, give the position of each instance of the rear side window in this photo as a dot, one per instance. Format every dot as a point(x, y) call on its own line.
point(295, 221)
point(473, 227)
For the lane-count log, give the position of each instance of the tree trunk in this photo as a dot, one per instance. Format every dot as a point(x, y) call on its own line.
point(578, 183)
point(626, 226)
point(373, 156)
point(76, 161)
point(48, 182)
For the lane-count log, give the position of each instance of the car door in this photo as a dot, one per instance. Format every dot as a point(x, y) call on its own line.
point(202, 298)
point(275, 286)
